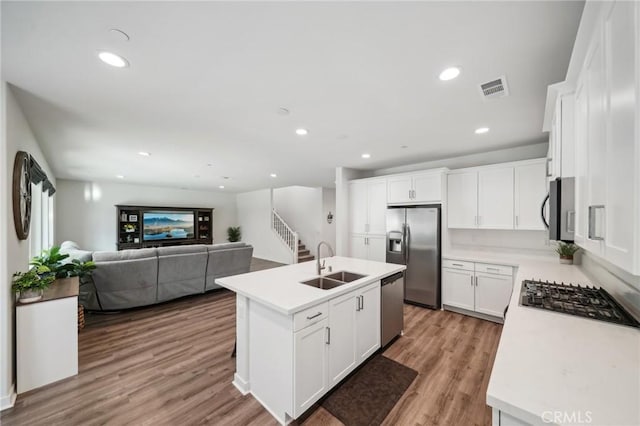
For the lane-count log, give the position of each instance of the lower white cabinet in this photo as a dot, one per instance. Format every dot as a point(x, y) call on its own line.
point(311, 378)
point(369, 247)
point(476, 287)
point(326, 351)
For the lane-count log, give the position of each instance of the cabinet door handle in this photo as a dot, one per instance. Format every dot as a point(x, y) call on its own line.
point(357, 303)
point(571, 219)
point(328, 341)
point(361, 303)
point(476, 281)
point(314, 316)
point(548, 168)
point(516, 220)
point(471, 280)
point(593, 234)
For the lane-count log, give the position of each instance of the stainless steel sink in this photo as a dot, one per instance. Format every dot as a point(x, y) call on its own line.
point(345, 276)
point(323, 283)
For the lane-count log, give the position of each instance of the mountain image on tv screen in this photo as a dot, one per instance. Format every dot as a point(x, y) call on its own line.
point(167, 226)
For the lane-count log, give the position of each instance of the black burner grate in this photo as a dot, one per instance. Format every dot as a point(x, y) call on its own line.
point(589, 302)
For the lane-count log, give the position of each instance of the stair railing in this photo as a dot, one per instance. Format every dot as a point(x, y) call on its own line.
point(287, 235)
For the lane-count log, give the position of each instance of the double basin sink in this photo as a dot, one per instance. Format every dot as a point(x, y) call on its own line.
point(336, 279)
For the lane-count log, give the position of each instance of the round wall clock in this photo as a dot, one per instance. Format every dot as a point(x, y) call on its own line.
point(22, 194)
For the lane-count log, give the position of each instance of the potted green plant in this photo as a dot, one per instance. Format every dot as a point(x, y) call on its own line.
point(234, 234)
point(566, 252)
point(54, 262)
point(30, 284)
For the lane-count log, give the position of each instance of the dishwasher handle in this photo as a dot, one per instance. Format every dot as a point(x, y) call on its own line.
point(392, 278)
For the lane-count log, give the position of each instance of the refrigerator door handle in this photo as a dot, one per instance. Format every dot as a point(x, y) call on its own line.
point(408, 243)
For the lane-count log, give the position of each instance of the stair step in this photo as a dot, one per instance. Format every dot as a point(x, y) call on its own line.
point(303, 252)
point(305, 258)
point(301, 247)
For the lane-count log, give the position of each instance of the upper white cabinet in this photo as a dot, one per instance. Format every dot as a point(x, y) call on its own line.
point(462, 199)
point(561, 156)
point(607, 123)
point(418, 188)
point(497, 197)
point(370, 247)
point(368, 206)
point(530, 192)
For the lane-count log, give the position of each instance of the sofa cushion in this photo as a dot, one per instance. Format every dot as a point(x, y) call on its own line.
point(73, 250)
point(223, 263)
point(197, 248)
point(225, 246)
point(69, 245)
point(112, 256)
point(126, 283)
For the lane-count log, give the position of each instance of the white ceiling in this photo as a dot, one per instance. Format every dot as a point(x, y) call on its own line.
point(206, 81)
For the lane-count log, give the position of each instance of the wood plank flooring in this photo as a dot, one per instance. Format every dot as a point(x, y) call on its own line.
point(170, 365)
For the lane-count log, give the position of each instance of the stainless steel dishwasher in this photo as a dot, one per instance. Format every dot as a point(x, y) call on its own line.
point(392, 315)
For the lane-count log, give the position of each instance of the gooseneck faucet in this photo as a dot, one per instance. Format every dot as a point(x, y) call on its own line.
point(319, 267)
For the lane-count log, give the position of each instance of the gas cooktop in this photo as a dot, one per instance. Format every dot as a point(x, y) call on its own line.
point(589, 302)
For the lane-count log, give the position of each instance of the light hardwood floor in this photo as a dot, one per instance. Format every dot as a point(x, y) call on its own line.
point(169, 364)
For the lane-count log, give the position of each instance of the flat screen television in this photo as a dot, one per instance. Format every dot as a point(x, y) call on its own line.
point(167, 225)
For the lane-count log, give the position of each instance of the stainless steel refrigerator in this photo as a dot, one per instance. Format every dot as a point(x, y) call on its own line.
point(413, 239)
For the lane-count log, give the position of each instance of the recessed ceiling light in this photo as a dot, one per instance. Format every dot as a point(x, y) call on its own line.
point(120, 176)
point(209, 165)
point(449, 73)
point(226, 177)
point(366, 155)
point(119, 34)
point(283, 111)
point(302, 132)
point(113, 59)
point(481, 130)
point(404, 146)
point(144, 154)
point(221, 187)
point(273, 175)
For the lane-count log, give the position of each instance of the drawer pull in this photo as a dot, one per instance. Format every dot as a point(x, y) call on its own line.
point(493, 269)
point(314, 316)
point(458, 264)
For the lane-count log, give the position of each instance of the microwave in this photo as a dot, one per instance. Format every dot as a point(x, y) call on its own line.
point(561, 220)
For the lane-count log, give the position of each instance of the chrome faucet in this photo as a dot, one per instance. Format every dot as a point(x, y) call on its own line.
point(319, 267)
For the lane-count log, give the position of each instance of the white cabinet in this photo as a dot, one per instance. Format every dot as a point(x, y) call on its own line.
point(368, 322)
point(369, 247)
point(495, 198)
point(530, 192)
point(311, 362)
point(418, 188)
point(368, 206)
point(561, 156)
point(507, 196)
point(342, 336)
point(608, 139)
point(458, 288)
point(476, 287)
point(462, 200)
point(492, 293)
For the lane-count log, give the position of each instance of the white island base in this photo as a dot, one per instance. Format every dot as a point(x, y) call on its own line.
point(295, 342)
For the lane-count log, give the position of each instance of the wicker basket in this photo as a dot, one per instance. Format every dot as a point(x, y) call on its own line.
point(80, 317)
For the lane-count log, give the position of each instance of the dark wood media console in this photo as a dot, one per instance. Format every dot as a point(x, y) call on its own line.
point(152, 226)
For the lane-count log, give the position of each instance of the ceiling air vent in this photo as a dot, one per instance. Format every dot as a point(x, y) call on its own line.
point(495, 89)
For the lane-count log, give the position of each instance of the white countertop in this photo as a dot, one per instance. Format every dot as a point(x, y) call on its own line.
point(551, 362)
point(280, 288)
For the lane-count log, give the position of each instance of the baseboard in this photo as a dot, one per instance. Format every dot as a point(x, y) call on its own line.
point(473, 314)
point(9, 400)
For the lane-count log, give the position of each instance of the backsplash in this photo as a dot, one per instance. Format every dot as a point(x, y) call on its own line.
point(533, 242)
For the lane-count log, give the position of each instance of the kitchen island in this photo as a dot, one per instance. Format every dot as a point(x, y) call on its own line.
point(295, 341)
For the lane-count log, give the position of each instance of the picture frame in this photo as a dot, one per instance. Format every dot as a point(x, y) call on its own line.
point(133, 218)
point(136, 240)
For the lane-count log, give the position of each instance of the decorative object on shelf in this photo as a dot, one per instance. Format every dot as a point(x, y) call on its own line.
point(136, 240)
point(330, 217)
point(133, 218)
point(566, 252)
point(234, 234)
point(129, 227)
point(123, 217)
point(31, 284)
point(22, 194)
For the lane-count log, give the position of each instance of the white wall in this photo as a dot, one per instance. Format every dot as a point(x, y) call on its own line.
point(526, 152)
point(86, 211)
point(254, 217)
point(328, 231)
point(15, 253)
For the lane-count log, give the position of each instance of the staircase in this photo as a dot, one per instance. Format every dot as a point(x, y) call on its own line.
point(304, 255)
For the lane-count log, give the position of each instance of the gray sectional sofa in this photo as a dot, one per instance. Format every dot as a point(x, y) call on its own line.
point(132, 278)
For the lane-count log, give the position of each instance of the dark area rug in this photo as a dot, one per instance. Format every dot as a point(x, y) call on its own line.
point(367, 397)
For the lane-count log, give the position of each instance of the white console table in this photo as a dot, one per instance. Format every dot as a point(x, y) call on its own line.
point(47, 337)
